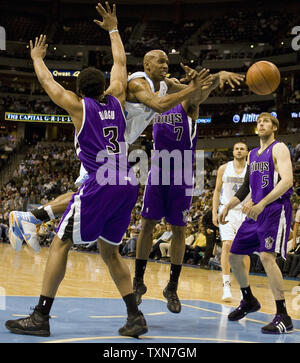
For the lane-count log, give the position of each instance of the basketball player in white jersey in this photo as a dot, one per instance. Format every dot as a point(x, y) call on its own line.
point(229, 179)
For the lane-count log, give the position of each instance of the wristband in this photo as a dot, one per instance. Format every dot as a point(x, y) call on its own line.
point(113, 31)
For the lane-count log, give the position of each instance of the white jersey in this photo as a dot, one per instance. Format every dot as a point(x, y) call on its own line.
point(231, 183)
point(138, 116)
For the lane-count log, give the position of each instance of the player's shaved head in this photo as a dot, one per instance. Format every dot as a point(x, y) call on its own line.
point(155, 53)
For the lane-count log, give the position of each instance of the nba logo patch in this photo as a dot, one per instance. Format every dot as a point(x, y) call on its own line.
point(269, 242)
point(185, 215)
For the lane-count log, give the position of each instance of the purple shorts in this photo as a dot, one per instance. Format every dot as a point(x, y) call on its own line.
point(269, 233)
point(170, 201)
point(98, 212)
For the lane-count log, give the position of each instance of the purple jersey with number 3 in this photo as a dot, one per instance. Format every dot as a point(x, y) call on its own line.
point(102, 207)
point(262, 174)
point(103, 129)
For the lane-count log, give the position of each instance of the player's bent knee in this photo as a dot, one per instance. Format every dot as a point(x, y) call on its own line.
point(57, 244)
point(267, 257)
point(108, 252)
point(235, 259)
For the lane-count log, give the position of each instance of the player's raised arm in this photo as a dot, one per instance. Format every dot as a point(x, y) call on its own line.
point(65, 99)
point(217, 193)
point(142, 92)
point(118, 75)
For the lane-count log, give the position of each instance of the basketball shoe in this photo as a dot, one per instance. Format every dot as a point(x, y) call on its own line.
point(243, 309)
point(25, 223)
point(35, 324)
point(173, 303)
point(15, 238)
point(281, 324)
point(135, 326)
point(139, 289)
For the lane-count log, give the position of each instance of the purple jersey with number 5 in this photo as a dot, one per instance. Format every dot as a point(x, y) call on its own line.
point(262, 174)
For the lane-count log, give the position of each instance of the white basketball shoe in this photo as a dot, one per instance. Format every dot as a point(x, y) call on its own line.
point(25, 223)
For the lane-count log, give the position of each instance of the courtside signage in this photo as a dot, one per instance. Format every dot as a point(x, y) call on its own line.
point(64, 73)
point(33, 117)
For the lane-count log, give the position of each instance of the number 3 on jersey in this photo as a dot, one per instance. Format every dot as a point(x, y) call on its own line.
point(112, 133)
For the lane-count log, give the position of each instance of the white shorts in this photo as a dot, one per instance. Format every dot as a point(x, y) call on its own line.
point(235, 218)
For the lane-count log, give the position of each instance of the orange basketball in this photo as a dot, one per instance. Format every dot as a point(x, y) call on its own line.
point(263, 78)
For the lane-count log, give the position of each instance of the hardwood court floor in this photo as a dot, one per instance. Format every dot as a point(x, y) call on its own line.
point(21, 275)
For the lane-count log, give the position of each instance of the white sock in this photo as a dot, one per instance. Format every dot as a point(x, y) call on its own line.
point(226, 279)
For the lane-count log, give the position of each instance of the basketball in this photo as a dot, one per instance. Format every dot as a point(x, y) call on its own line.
point(263, 78)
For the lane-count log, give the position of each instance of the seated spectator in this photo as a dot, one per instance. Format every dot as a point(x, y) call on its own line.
point(165, 237)
point(3, 233)
point(130, 246)
point(165, 251)
point(215, 261)
point(194, 252)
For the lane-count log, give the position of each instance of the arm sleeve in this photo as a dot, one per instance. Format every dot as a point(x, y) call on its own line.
point(244, 190)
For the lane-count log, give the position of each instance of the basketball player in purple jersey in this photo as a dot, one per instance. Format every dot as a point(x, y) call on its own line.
point(266, 228)
point(173, 131)
point(95, 212)
point(148, 92)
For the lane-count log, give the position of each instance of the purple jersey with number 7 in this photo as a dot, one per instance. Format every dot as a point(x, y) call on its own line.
point(262, 174)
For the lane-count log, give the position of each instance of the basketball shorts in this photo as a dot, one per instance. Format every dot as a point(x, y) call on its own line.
point(170, 201)
point(269, 233)
point(98, 212)
point(235, 218)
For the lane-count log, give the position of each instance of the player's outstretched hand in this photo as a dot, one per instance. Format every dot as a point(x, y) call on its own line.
point(109, 17)
point(39, 49)
point(231, 78)
point(255, 211)
point(223, 215)
point(247, 207)
point(190, 73)
point(215, 219)
point(203, 80)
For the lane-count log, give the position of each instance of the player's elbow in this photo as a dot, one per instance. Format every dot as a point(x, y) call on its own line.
point(288, 181)
point(159, 108)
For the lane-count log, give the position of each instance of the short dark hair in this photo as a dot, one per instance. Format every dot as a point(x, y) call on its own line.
point(90, 82)
point(240, 142)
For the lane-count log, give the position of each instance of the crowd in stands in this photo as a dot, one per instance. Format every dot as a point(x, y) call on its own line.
point(49, 171)
point(8, 147)
point(45, 173)
point(23, 104)
point(260, 26)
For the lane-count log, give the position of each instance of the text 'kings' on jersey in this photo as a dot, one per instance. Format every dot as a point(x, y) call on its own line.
point(175, 138)
point(262, 174)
